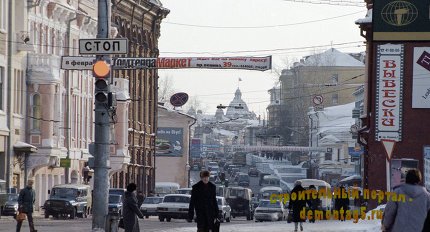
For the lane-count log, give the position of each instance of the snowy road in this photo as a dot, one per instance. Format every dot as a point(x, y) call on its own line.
point(324, 226)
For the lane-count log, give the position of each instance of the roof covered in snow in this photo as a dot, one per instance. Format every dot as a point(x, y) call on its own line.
point(336, 118)
point(366, 19)
point(332, 57)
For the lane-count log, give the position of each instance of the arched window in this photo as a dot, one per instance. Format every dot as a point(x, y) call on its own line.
point(37, 112)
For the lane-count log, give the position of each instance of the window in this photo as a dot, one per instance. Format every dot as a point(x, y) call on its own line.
point(335, 98)
point(1, 86)
point(18, 101)
point(335, 78)
point(327, 156)
point(37, 114)
point(3, 14)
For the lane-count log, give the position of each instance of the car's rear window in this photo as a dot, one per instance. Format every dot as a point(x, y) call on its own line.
point(176, 199)
point(153, 200)
point(269, 205)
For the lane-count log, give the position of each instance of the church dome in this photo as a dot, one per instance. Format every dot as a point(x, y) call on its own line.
point(233, 111)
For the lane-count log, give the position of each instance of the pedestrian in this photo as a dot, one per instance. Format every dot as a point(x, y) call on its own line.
point(26, 199)
point(140, 198)
point(315, 204)
point(297, 205)
point(341, 204)
point(411, 214)
point(203, 201)
point(130, 210)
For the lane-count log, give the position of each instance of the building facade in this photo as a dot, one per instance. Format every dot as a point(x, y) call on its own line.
point(384, 167)
point(173, 147)
point(139, 22)
point(332, 76)
point(47, 114)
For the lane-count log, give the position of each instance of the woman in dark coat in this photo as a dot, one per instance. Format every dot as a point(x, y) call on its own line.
point(297, 205)
point(314, 204)
point(203, 201)
point(130, 210)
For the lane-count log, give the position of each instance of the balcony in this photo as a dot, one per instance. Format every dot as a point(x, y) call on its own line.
point(43, 68)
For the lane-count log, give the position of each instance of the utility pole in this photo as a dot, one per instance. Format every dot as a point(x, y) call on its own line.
point(102, 72)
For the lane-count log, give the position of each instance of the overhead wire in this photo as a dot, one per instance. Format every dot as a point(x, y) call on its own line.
point(261, 27)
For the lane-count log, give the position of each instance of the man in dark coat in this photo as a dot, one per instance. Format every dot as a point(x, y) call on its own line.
point(341, 203)
point(203, 200)
point(26, 199)
point(297, 205)
point(130, 210)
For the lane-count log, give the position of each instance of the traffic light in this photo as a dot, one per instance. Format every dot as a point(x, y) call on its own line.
point(101, 70)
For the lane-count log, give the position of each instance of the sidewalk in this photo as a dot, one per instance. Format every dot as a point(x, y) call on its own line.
point(36, 215)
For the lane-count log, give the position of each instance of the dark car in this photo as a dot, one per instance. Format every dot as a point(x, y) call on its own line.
point(117, 191)
point(69, 200)
point(11, 206)
point(253, 172)
point(115, 205)
point(243, 180)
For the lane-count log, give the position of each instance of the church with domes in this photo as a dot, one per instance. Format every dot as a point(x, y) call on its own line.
point(238, 108)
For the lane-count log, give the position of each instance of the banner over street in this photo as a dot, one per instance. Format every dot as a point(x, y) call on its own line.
point(249, 63)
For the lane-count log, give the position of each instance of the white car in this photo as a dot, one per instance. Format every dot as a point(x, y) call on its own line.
point(174, 206)
point(149, 206)
point(224, 209)
point(267, 211)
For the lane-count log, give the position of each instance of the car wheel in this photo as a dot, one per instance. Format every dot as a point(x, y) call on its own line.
point(46, 215)
point(161, 219)
point(73, 214)
point(168, 219)
point(146, 216)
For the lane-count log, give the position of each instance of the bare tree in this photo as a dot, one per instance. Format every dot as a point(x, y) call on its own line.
point(195, 103)
point(165, 89)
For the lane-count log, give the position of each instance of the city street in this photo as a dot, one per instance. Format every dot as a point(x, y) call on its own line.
point(153, 225)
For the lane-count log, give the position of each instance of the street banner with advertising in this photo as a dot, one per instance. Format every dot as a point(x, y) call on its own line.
point(169, 141)
point(248, 63)
point(389, 92)
point(421, 78)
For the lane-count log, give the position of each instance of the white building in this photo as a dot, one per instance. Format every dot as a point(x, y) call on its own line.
point(172, 146)
point(330, 128)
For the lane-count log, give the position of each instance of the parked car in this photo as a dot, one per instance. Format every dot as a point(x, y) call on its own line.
point(149, 206)
point(69, 200)
point(174, 206)
point(224, 209)
point(267, 211)
point(253, 171)
point(115, 205)
point(10, 207)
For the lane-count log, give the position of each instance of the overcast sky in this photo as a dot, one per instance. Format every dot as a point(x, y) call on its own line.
point(284, 29)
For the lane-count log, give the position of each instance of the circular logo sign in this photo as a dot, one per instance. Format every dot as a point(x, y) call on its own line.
point(399, 13)
point(318, 100)
point(178, 99)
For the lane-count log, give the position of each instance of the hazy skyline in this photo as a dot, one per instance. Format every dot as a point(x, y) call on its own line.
point(284, 29)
